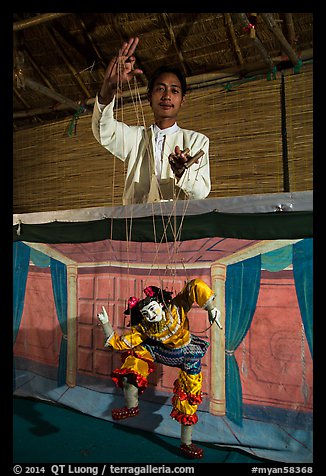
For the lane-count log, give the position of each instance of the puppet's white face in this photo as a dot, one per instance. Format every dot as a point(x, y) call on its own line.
point(152, 312)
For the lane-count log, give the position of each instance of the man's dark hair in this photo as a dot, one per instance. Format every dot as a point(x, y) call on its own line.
point(167, 69)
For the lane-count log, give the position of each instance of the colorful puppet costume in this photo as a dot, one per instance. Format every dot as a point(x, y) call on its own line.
point(168, 342)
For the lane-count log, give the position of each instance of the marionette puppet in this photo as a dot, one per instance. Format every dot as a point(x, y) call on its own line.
point(159, 332)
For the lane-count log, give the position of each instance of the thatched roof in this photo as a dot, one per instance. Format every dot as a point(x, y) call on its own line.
point(60, 58)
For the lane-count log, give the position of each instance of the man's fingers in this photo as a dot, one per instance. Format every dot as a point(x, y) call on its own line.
point(123, 49)
point(132, 45)
point(128, 48)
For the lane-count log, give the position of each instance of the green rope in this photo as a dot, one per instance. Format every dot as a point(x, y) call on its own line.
point(298, 66)
point(73, 123)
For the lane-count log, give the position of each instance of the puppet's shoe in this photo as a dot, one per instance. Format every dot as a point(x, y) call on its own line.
point(122, 413)
point(191, 451)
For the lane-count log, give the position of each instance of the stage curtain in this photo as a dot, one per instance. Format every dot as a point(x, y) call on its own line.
point(241, 293)
point(40, 259)
point(303, 277)
point(21, 255)
point(59, 286)
point(277, 260)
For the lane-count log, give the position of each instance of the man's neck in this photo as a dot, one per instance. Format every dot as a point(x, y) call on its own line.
point(165, 123)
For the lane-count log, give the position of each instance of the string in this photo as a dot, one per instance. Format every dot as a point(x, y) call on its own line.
point(175, 228)
point(175, 234)
point(151, 161)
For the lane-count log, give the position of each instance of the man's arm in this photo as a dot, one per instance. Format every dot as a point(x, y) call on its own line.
point(112, 134)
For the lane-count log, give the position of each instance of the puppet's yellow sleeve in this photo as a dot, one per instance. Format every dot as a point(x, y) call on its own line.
point(125, 341)
point(197, 291)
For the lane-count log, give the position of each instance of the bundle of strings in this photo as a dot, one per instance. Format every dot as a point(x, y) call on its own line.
point(170, 220)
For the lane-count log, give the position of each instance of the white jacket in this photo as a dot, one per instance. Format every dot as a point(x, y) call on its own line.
point(135, 146)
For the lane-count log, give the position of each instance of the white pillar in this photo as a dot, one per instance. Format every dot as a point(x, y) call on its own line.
point(217, 400)
point(72, 326)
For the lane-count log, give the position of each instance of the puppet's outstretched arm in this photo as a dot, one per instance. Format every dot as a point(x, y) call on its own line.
point(106, 324)
point(198, 291)
point(214, 314)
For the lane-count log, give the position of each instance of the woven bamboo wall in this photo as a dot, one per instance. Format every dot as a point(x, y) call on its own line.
point(53, 171)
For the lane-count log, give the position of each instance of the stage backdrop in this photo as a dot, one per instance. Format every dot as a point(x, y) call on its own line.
point(257, 374)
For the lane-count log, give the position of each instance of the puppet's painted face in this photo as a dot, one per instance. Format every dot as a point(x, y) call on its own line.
point(152, 312)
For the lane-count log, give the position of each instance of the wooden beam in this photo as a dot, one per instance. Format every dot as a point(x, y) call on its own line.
point(277, 32)
point(256, 41)
point(65, 58)
point(37, 69)
point(193, 82)
point(229, 23)
point(27, 106)
point(290, 29)
point(30, 83)
point(35, 21)
point(90, 40)
point(39, 111)
point(21, 99)
point(168, 24)
point(118, 29)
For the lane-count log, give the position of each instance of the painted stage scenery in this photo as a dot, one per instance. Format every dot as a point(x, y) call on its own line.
point(257, 387)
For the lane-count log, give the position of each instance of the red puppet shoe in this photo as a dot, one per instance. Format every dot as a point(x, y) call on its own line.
point(191, 451)
point(122, 413)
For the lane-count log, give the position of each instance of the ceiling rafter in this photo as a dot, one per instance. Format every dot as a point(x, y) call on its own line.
point(21, 99)
point(41, 74)
point(117, 27)
point(290, 28)
point(193, 82)
point(255, 40)
point(30, 83)
point(277, 32)
point(37, 68)
point(38, 20)
point(169, 27)
point(39, 111)
point(234, 41)
point(89, 39)
point(83, 49)
point(65, 58)
point(221, 48)
point(26, 105)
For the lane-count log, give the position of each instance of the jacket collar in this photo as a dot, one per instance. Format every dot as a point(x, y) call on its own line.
point(164, 132)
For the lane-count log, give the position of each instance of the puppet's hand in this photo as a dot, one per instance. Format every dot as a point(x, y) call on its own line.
point(106, 324)
point(214, 315)
point(103, 316)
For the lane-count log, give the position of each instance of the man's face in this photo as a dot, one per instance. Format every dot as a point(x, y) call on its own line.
point(166, 97)
point(152, 312)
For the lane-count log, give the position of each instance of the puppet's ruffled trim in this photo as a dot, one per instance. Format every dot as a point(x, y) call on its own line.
point(182, 395)
point(136, 377)
point(140, 381)
point(182, 418)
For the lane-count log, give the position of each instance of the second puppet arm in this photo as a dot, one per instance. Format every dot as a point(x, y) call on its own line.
point(106, 324)
point(214, 314)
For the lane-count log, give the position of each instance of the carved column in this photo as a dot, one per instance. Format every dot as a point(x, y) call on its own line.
point(217, 401)
point(72, 325)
